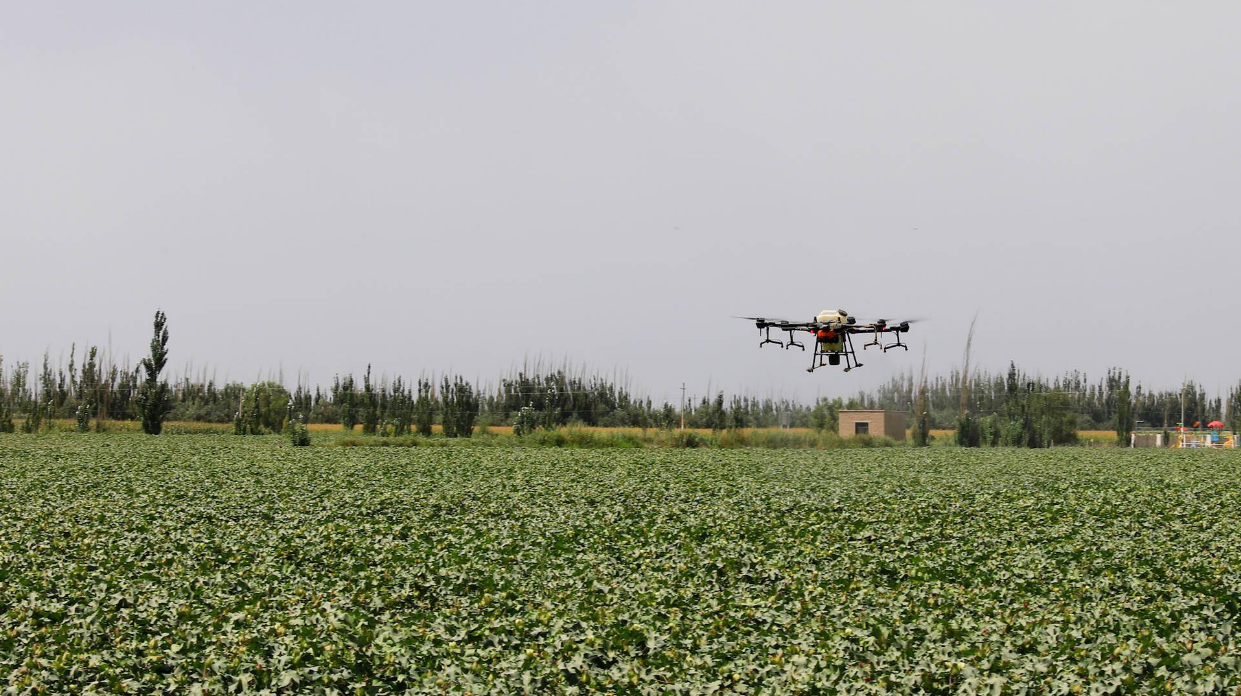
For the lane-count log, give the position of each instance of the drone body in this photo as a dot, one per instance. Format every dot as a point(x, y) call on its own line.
point(832, 332)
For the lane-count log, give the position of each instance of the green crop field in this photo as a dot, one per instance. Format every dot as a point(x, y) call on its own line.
point(212, 564)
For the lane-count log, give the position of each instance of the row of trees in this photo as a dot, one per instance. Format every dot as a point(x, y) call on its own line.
point(1095, 404)
point(97, 391)
point(1013, 408)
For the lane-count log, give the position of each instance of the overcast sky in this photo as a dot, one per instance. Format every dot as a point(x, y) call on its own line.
point(461, 185)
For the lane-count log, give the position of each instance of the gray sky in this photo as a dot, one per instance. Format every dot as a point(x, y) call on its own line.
point(459, 185)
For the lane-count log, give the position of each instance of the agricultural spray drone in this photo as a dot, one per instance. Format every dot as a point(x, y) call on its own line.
point(832, 332)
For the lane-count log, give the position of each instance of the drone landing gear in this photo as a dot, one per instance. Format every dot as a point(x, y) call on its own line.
point(833, 356)
point(793, 342)
point(898, 343)
point(769, 339)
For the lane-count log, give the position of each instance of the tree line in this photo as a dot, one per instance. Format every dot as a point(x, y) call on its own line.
point(1011, 408)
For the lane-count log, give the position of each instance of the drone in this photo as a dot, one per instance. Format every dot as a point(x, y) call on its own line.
point(833, 332)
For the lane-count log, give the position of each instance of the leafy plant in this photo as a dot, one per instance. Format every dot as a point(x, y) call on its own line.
point(526, 421)
point(154, 400)
point(297, 433)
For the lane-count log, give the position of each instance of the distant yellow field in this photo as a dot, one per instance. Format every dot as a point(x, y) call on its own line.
point(1091, 436)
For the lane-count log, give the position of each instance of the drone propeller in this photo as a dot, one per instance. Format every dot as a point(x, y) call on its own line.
point(903, 324)
point(891, 321)
point(770, 319)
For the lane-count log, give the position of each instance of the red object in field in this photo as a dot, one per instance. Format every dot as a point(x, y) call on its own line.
point(1197, 424)
point(1215, 424)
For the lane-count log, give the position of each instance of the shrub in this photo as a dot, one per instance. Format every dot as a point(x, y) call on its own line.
point(525, 421)
point(687, 439)
point(298, 434)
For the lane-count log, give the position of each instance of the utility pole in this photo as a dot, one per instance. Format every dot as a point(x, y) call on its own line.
point(1181, 436)
point(682, 405)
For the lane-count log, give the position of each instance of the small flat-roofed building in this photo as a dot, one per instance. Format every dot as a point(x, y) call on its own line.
point(878, 423)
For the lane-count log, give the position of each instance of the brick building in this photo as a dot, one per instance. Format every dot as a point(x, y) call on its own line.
point(878, 423)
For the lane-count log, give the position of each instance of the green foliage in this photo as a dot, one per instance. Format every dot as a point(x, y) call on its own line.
point(561, 395)
point(1093, 402)
point(1056, 422)
point(718, 414)
point(265, 408)
point(1034, 418)
point(921, 430)
point(1124, 407)
point(400, 409)
point(667, 419)
point(17, 393)
point(154, 401)
point(1234, 409)
point(253, 418)
point(370, 405)
point(220, 565)
point(526, 421)
point(459, 407)
point(87, 391)
point(424, 408)
point(81, 418)
point(578, 436)
point(990, 430)
point(297, 433)
point(969, 432)
point(825, 416)
point(346, 396)
point(448, 409)
point(6, 405)
point(302, 404)
point(921, 409)
point(39, 418)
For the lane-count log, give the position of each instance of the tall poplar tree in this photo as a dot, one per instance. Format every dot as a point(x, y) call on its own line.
point(1124, 409)
point(154, 399)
